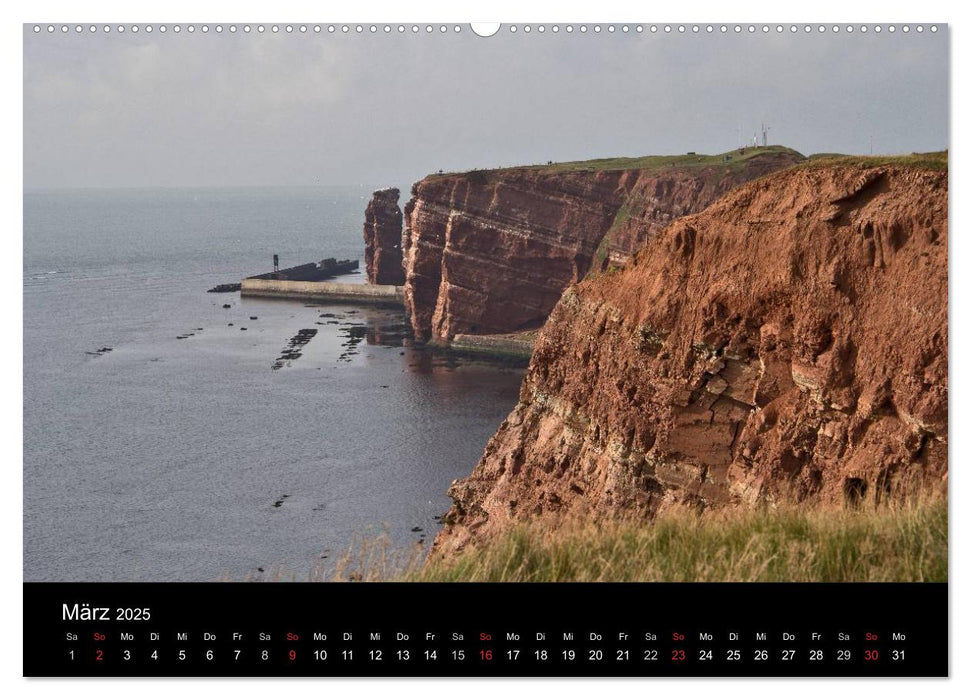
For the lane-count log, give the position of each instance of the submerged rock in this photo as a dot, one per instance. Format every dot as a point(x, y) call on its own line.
point(292, 351)
point(223, 288)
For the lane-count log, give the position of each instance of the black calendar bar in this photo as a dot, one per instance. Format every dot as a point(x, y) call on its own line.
point(410, 629)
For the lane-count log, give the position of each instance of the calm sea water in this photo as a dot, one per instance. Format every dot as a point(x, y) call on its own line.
point(192, 459)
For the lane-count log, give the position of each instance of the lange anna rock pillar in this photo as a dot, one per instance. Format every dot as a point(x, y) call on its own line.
point(382, 238)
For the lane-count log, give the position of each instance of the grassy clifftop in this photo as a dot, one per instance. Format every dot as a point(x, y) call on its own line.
point(736, 158)
point(729, 159)
point(934, 160)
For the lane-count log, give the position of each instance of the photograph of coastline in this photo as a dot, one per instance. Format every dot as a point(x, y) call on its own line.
point(427, 306)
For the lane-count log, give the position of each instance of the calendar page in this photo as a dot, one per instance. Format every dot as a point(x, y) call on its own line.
point(512, 349)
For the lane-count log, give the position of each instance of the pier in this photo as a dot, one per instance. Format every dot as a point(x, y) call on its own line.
point(336, 292)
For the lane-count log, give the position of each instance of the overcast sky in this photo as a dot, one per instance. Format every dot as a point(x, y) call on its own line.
point(303, 109)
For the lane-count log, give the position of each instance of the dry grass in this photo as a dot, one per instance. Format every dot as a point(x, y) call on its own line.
point(888, 543)
point(376, 559)
point(904, 542)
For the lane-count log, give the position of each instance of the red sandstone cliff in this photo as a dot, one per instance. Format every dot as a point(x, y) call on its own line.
point(382, 238)
point(789, 341)
point(492, 251)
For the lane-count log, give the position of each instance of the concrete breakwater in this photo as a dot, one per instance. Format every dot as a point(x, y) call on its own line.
point(509, 345)
point(372, 294)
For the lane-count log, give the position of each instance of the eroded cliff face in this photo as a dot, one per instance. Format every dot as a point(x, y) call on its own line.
point(492, 251)
point(788, 342)
point(382, 238)
point(654, 200)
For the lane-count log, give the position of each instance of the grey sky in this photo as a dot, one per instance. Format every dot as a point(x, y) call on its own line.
point(302, 109)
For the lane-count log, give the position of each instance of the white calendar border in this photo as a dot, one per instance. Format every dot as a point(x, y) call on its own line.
point(451, 11)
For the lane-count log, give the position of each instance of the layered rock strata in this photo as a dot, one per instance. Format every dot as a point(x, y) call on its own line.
point(382, 238)
point(789, 342)
point(489, 252)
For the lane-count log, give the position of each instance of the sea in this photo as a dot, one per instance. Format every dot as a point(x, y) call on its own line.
point(172, 434)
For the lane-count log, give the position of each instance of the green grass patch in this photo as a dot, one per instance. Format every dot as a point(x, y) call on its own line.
point(622, 215)
point(603, 250)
